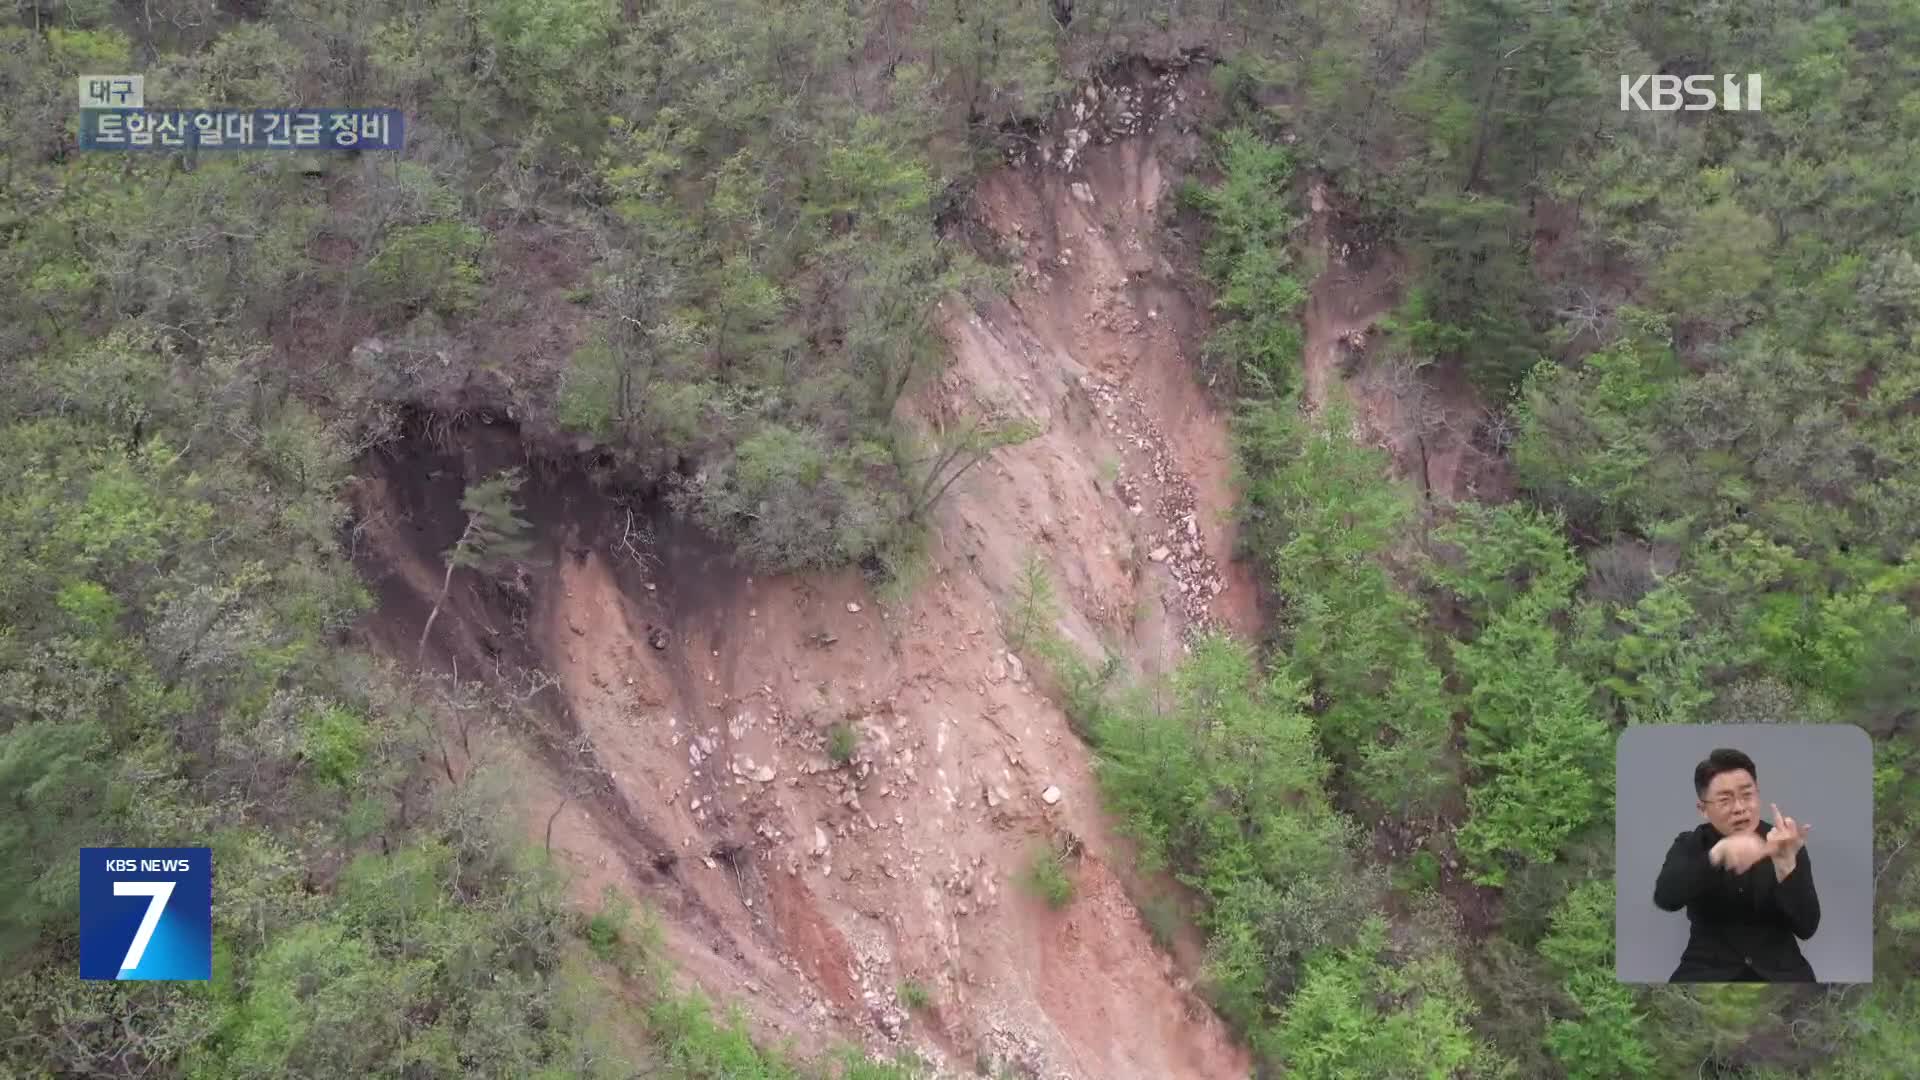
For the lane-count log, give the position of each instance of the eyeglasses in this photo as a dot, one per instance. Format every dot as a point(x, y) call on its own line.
point(1729, 800)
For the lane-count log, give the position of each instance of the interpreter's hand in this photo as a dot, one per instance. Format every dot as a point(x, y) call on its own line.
point(1786, 839)
point(1739, 852)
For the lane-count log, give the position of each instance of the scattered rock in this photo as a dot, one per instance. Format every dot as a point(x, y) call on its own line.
point(1159, 554)
point(764, 774)
point(1050, 796)
point(853, 608)
point(657, 638)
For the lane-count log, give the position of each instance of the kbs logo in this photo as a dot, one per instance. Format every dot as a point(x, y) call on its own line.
point(1665, 93)
point(146, 913)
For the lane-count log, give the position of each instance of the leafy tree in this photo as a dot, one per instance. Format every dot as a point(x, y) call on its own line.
point(1477, 296)
point(1257, 348)
point(1718, 266)
point(1504, 553)
point(1032, 611)
point(1222, 780)
point(999, 56)
point(494, 531)
point(1654, 660)
point(1604, 1039)
point(434, 264)
point(956, 451)
point(1355, 1015)
point(795, 501)
point(1533, 738)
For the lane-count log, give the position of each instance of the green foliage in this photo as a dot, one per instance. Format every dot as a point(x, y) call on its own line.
point(1164, 918)
point(495, 530)
point(956, 451)
point(915, 995)
point(1504, 553)
point(1604, 1041)
point(1356, 1016)
point(795, 501)
point(699, 1046)
point(1218, 775)
point(1534, 740)
point(785, 300)
point(1582, 934)
point(435, 264)
point(1031, 612)
point(1603, 1037)
point(842, 741)
point(1661, 655)
point(1046, 877)
point(998, 56)
point(1082, 688)
point(542, 45)
point(1476, 299)
point(1256, 349)
point(1586, 444)
point(1322, 514)
point(901, 565)
point(335, 744)
point(1421, 873)
point(616, 936)
point(1877, 1034)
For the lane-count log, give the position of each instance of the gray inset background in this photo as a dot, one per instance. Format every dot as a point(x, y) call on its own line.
point(1820, 774)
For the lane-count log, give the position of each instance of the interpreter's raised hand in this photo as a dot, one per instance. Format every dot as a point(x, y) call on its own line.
point(1786, 838)
point(1738, 852)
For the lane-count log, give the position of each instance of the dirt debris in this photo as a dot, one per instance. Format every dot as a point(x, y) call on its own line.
point(1182, 549)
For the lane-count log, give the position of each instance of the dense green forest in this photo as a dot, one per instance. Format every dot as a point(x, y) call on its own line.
point(1708, 397)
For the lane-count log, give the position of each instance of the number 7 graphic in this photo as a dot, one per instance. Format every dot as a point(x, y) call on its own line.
point(160, 891)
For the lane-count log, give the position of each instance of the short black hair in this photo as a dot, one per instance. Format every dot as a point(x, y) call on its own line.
point(1718, 762)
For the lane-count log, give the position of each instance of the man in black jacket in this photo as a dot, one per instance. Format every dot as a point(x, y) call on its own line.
point(1747, 884)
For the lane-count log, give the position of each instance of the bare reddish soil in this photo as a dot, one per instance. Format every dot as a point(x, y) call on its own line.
point(691, 700)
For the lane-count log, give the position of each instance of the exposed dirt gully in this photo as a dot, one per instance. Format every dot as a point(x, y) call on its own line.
point(690, 701)
point(1428, 419)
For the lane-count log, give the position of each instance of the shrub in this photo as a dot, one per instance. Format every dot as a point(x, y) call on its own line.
point(435, 264)
point(842, 741)
point(915, 995)
point(794, 501)
point(335, 742)
point(1032, 611)
point(1046, 878)
point(1421, 874)
point(603, 933)
point(1162, 915)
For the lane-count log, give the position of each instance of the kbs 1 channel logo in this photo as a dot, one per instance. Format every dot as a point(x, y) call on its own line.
point(1694, 93)
point(146, 913)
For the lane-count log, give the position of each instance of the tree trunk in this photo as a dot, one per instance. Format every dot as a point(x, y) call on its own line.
point(928, 501)
point(446, 586)
point(555, 816)
point(1480, 139)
